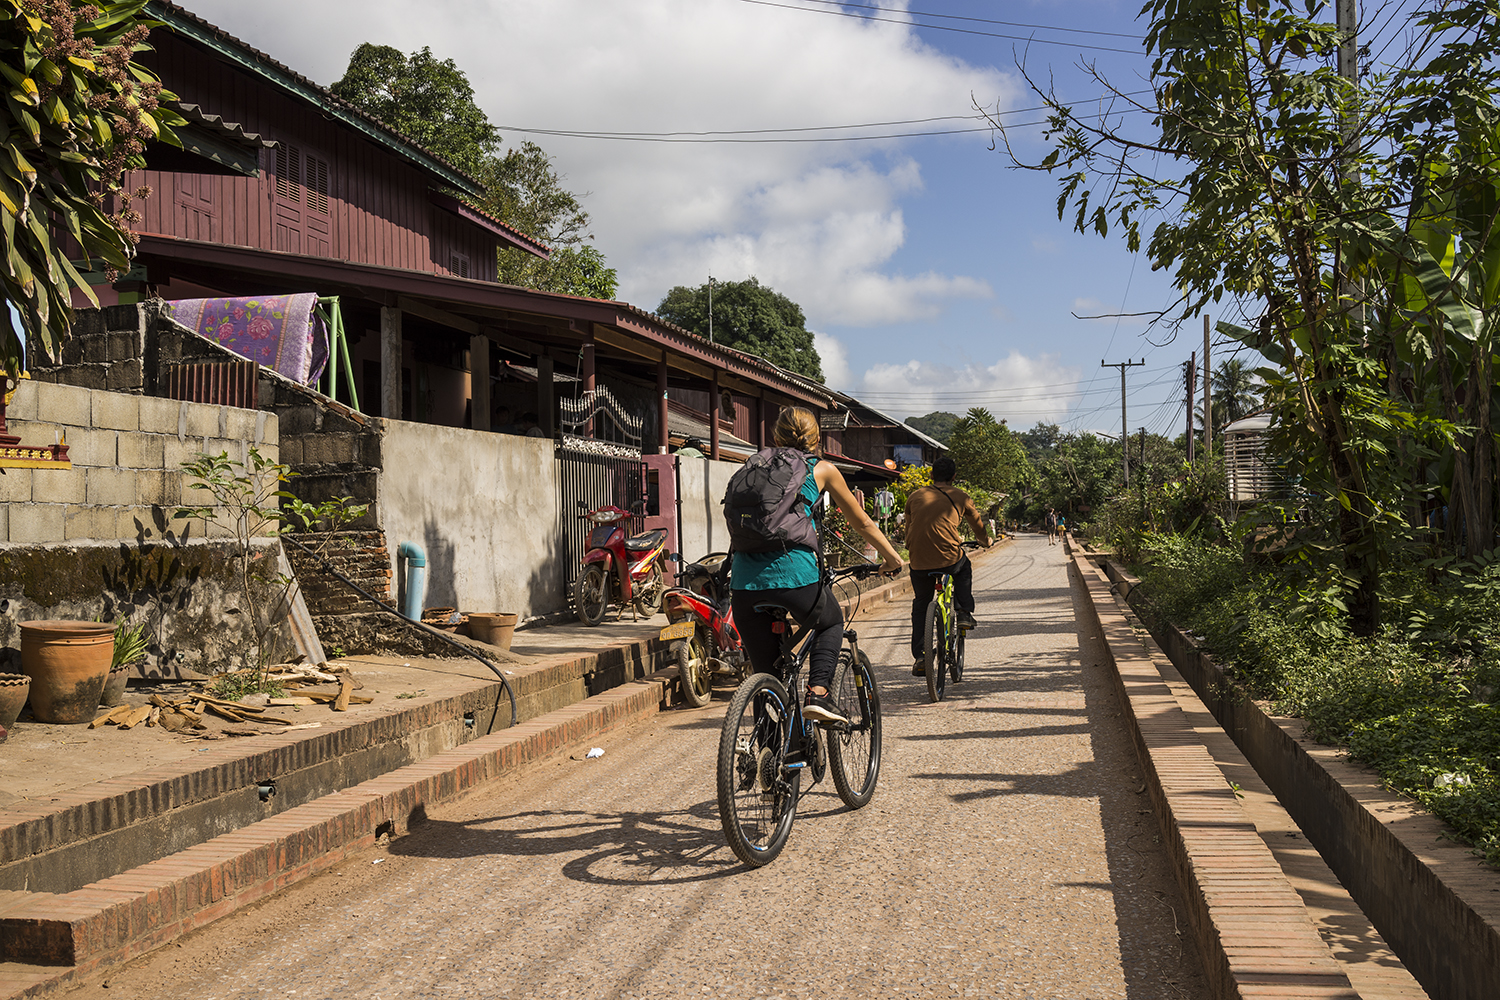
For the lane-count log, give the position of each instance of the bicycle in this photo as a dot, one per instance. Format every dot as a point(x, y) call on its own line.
point(944, 645)
point(766, 744)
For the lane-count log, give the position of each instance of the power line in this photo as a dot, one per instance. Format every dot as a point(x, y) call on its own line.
point(943, 27)
point(732, 135)
point(976, 20)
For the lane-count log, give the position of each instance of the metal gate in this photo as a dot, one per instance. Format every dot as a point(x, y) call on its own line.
point(599, 463)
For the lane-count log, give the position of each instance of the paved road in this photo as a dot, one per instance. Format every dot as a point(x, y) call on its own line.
point(1006, 853)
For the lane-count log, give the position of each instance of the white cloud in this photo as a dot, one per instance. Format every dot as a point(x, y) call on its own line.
point(1017, 388)
point(835, 358)
point(820, 222)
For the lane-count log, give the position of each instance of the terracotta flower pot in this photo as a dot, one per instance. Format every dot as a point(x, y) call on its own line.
point(495, 629)
point(68, 663)
point(114, 686)
point(13, 691)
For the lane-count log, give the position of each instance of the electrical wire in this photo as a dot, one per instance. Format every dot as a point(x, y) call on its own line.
point(943, 27)
point(976, 20)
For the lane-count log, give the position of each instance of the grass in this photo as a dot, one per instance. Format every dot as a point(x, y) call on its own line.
point(1416, 702)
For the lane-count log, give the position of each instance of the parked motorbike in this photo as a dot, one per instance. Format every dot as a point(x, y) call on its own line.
point(618, 569)
point(704, 639)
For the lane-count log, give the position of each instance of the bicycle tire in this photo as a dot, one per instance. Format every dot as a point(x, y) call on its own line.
point(591, 594)
point(937, 650)
point(956, 668)
point(854, 751)
point(757, 796)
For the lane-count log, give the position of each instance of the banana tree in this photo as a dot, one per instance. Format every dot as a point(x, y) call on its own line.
point(78, 113)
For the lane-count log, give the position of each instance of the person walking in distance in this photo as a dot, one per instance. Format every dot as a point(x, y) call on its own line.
point(1052, 527)
point(934, 546)
point(788, 574)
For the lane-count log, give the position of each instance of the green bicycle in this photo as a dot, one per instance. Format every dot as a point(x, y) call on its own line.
point(943, 648)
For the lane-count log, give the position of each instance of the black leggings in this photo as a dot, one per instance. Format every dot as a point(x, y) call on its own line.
point(924, 586)
point(762, 645)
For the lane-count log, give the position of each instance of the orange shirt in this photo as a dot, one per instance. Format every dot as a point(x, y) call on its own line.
point(933, 515)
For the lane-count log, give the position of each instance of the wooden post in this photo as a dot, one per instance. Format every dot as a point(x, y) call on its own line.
point(480, 406)
point(390, 362)
point(545, 391)
point(713, 418)
point(661, 404)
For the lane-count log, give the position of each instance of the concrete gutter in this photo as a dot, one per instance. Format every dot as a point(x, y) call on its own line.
point(1430, 897)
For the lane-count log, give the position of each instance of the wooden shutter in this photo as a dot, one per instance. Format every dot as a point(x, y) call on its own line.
point(289, 172)
point(458, 264)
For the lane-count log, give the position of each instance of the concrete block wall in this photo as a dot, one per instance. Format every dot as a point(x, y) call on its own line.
point(127, 453)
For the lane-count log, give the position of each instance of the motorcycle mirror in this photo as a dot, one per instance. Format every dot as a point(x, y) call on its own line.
point(674, 557)
point(583, 505)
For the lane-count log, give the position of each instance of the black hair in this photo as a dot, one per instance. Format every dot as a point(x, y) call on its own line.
point(944, 469)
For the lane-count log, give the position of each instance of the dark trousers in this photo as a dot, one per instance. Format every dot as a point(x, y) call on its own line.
point(924, 585)
point(762, 645)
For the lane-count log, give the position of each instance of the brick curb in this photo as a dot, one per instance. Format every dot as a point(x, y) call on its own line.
point(124, 916)
point(1250, 924)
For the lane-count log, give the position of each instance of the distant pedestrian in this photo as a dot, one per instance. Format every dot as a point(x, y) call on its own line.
point(1052, 521)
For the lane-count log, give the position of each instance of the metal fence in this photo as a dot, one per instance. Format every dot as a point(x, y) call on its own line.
point(593, 474)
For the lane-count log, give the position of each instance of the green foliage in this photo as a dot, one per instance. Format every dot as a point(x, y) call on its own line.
point(987, 454)
point(1416, 702)
point(937, 425)
point(234, 685)
point(1355, 221)
point(1082, 471)
point(247, 499)
point(1164, 497)
point(130, 643)
point(426, 99)
point(749, 317)
point(78, 114)
point(432, 102)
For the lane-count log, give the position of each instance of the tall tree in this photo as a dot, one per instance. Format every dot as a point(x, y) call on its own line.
point(78, 114)
point(749, 317)
point(426, 99)
point(937, 425)
point(987, 453)
point(1284, 199)
point(431, 101)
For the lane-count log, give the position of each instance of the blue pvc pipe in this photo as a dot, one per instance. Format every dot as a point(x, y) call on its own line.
point(416, 579)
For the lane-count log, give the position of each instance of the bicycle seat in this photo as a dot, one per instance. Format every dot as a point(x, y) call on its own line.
point(645, 542)
point(775, 610)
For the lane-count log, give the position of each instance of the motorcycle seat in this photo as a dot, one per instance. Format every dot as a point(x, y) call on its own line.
point(647, 541)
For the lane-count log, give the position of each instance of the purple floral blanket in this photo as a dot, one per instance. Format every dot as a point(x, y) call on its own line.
point(280, 332)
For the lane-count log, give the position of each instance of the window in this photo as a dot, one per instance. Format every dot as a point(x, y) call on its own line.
point(288, 172)
point(458, 264)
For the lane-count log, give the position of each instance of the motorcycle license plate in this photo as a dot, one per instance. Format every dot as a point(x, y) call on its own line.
point(682, 630)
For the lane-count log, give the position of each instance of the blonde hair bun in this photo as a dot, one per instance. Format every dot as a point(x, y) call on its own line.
point(796, 427)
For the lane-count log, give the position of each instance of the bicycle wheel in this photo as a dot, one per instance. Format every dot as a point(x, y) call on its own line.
point(757, 796)
point(854, 750)
point(956, 668)
point(937, 650)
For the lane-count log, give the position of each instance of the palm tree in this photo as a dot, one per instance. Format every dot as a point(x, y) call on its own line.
point(1236, 393)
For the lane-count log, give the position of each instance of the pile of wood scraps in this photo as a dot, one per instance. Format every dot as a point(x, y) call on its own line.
point(190, 714)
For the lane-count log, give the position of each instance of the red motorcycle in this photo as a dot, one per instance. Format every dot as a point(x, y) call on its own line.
point(704, 639)
point(618, 569)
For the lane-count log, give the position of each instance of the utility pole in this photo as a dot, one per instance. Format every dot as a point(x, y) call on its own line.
point(1346, 16)
point(1190, 377)
point(710, 309)
point(1208, 399)
point(1124, 427)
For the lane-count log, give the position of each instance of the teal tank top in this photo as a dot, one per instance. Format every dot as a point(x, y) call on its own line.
point(793, 567)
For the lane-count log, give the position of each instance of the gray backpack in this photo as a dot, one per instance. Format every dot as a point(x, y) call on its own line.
point(764, 506)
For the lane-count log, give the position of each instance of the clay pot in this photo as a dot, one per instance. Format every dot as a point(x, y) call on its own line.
point(68, 663)
point(13, 691)
point(495, 629)
point(114, 686)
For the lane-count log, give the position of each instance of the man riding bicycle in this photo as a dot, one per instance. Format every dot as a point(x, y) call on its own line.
point(935, 547)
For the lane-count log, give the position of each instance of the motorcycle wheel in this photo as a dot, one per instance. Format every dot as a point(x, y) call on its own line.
point(591, 594)
point(694, 671)
point(649, 601)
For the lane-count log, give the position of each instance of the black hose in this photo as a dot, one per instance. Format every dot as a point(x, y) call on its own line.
point(421, 625)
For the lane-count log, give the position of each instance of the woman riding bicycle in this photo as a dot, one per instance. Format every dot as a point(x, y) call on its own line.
point(791, 577)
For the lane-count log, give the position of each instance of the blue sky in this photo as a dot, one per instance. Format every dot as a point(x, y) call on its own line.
point(934, 276)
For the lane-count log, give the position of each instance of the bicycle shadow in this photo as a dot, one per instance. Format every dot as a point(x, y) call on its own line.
point(674, 847)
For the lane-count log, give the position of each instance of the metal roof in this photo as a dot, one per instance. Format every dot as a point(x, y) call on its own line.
point(216, 39)
point(214, 123)
point(1256, 423)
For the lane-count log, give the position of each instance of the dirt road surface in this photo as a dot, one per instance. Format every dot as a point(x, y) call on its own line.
point(1006, 853)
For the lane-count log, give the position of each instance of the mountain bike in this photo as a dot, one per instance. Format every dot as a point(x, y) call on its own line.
point(943, 647)
point(766, 746)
